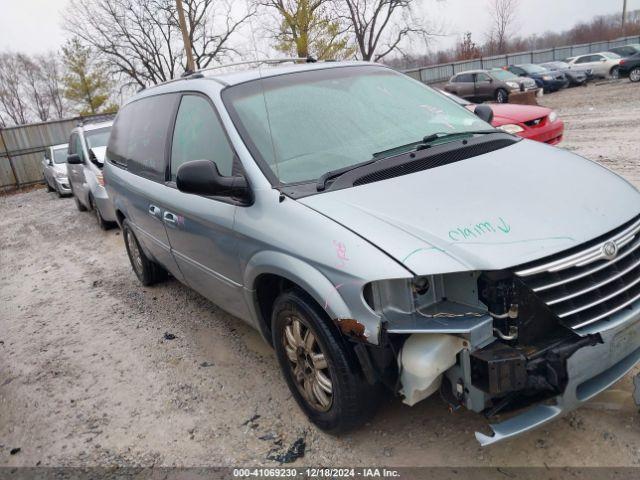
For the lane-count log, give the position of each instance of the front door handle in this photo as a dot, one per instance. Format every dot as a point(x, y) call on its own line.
point(170, 218)
point(155, 211)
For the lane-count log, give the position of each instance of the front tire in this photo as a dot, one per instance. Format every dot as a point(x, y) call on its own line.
point(147, 271)
point(634, 75)
point(49, 188)
point(502, 96)
point(79, 205)
point(319, 366)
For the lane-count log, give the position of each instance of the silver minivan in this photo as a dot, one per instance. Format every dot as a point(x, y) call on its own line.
point(379, 235)
point(85, 161)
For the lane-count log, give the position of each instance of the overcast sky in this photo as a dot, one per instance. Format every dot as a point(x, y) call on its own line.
point(35, 26)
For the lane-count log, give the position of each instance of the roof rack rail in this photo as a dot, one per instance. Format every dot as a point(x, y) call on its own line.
point(198, 73)
point(259, 60)
point(97, 118)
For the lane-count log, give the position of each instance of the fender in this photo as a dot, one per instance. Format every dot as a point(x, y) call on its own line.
point(314, 282)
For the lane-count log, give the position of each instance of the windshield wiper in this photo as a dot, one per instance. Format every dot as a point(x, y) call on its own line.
point(419, 145)
point(325, 177)
point(429, 139)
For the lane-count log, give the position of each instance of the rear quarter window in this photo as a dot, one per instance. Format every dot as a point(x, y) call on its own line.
point(139, 135)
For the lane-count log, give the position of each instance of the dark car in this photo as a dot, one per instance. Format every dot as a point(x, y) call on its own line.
point(576, 78)
point(627, 50)
point(547, 80)
point(630, 67)
point(483, 85)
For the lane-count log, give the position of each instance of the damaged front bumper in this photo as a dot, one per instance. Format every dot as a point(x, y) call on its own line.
point(590, 370)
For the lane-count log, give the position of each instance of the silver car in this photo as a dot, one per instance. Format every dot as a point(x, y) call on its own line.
point(85, 161)
point(54, 169)
point(379, 235)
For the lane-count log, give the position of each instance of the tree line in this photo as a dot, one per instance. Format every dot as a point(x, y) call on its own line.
point(502, 38)
point(118, 46)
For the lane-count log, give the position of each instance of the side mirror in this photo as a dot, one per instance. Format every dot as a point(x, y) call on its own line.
point(484, 112)
point(74, 159)
point(203, 177)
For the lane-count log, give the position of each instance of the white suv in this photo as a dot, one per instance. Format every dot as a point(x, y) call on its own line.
point(602, 64)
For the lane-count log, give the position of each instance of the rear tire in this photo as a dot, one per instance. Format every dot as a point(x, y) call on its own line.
point(634, 74)
point(319, 366)
point(102, 223)
point(614, 73)
point(147, 271)
point(502, 96)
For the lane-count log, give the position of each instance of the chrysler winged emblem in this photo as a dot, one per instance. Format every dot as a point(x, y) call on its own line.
point(610, 250)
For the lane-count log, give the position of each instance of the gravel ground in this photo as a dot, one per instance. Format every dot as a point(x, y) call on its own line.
point(88, 376)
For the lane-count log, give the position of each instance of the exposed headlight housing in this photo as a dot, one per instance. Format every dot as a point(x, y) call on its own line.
point(511, 128)
point(553, 116)
point(512, 84)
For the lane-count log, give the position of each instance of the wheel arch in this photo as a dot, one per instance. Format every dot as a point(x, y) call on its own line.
point(270, 273)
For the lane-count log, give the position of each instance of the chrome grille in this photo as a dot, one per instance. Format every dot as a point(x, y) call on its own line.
point(588, 284)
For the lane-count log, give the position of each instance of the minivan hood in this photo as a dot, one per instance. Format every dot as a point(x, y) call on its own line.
point(494, 211)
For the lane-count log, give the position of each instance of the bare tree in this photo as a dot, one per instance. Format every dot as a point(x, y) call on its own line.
point(34, 86)
point(380, 26)
point(12, 98)
point(51, 71)
point(503, 16)
point(141, 39)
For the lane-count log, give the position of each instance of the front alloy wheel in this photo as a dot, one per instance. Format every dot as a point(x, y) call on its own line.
point(319, 365)
point(634, 75)
point(308, 364)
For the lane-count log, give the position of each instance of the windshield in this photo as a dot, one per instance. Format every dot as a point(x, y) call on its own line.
point(530, 68)
point(455, 98)
point(504, 75)
point(98, 137)
point(60, 155)
point(305, 124)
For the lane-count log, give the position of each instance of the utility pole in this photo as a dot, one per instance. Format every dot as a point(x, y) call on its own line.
point(624, 14)
point(185, 37)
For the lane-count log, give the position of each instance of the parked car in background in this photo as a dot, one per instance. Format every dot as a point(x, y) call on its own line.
point(87, 146)
point(379, 235)
point(576, 78)
point(527, 121)
point(545, 79)
point(483, 85)
point(602, 64)
point(54, 169)
point(627, 50)
point(630, 67)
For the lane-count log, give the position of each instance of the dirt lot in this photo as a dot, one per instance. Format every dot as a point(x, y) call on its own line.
point(88, 378)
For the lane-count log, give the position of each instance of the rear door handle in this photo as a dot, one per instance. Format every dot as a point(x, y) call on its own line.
point(155, 211)
point(170, 218)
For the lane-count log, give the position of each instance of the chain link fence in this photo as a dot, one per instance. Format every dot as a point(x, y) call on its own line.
point(443, 72)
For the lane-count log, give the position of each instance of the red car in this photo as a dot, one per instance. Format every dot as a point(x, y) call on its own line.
point(528, 121)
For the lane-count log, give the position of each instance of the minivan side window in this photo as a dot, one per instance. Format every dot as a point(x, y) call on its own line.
point(78, 148)
point(199, 135)
point(139, 136)
point(71, 149)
